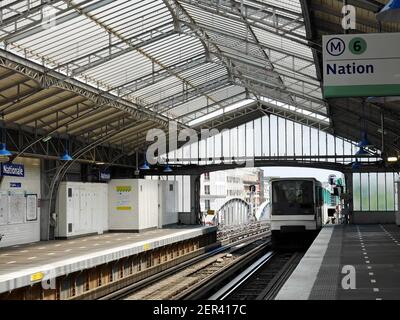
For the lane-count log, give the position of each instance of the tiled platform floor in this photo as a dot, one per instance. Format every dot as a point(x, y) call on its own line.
point(19, 262)
point(369, 252)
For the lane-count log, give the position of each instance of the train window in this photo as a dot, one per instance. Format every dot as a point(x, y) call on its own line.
point(291, 197)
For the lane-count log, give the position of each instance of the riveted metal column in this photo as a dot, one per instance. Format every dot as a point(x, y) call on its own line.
point(348, 176)
point(46, 174)
point(195, 199)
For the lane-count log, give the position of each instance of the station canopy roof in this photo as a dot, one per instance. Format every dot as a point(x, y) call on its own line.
point(135, 65)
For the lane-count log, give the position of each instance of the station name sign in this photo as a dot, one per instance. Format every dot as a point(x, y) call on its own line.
point(105, 176)
point(361, 65)
point(11, 169)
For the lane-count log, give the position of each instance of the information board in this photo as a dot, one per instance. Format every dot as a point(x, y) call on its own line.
point(361, 65)
point(4, 208)
point(17, 202)
point(31, 207)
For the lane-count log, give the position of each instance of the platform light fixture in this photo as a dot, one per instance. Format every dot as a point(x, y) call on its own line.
point(356, 165)
point(392, 159)
point(167, 169)
point(4, 153)
point(47, 138)
point(145, 166)
point(66, 157)
point(390, 12)
point(364, 141)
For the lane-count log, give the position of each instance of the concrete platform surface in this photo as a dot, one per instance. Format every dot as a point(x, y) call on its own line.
point(348, 262)
point(20, 264)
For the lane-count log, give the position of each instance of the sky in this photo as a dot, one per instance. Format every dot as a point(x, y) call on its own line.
point(289, 172)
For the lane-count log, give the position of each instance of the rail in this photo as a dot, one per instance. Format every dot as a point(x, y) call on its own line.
point(226, 245)
point(262, 280)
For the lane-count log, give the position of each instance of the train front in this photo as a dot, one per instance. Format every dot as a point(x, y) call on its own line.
point(295, 209)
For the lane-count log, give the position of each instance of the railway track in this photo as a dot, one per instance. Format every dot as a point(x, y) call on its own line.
point(185, 282)
point(200, 277)
point(262, 280)
point(173, 283)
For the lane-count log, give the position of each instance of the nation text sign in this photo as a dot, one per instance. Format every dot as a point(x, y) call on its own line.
point(361, 65)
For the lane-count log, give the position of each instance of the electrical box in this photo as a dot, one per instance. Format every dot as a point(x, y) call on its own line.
point(82, 208)
point(133, 204)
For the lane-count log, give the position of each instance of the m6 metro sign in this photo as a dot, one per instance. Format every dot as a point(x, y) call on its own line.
point(357, 65)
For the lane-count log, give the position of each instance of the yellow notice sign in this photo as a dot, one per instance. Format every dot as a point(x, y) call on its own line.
point(146, 246)
point(123, 188)
point(37, 276)
point(124, 208)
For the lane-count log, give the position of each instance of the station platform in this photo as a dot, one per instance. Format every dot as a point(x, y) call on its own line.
point(24, 265)
point(348, 262)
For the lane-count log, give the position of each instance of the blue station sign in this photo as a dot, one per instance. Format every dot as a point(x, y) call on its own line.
point(12, 169)
point(104, 175)
point(15, 184)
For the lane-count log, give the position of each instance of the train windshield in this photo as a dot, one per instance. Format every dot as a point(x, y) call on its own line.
point(292, 197)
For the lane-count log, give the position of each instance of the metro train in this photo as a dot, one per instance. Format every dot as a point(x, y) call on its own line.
point(298, 209)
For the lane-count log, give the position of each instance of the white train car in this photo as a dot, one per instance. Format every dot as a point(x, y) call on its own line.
point(297, 208)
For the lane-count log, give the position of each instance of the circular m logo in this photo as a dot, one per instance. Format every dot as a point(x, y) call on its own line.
point(335, 46)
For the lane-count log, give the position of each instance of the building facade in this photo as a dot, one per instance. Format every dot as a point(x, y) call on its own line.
point(220, 186)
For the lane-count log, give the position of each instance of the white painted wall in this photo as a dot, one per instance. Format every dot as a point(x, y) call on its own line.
point(27, 231)
point(82, 211)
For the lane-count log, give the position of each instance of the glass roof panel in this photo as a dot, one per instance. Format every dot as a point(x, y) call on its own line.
point(137, 50)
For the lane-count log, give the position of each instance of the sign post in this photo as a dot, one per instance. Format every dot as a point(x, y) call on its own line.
point(361, 65)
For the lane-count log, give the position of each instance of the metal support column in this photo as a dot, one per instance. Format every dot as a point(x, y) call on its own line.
point(47, 171)
point(195, 199)
point(348, 203)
